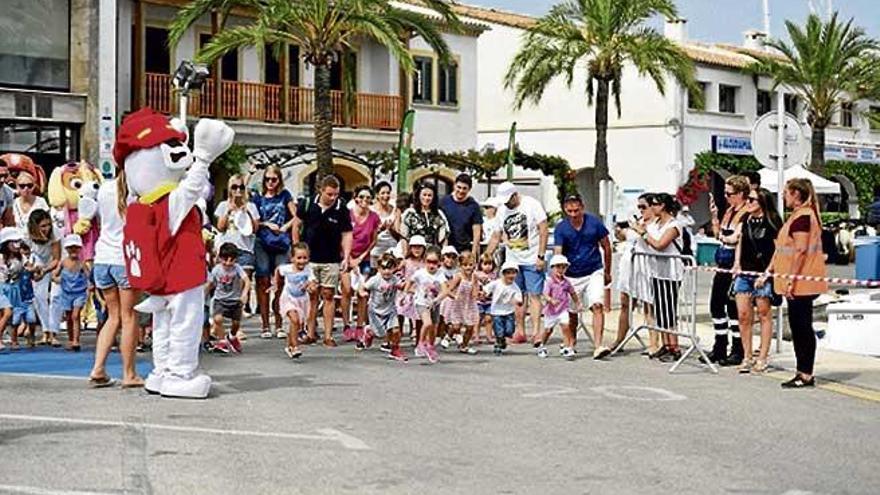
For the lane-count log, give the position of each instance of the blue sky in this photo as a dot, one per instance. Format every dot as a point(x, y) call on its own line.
point(725, 20)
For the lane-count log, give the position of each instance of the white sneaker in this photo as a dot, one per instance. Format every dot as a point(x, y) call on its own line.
point(542, 352)
point(444, 342)
point(186, 387)
point(280, 334)
point(459, 338)
point(153, 383)
point(568, 353)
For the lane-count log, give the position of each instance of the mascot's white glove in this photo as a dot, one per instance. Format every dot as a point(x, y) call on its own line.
point(212, 138)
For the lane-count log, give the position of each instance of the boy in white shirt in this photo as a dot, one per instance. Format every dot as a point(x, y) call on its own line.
point(505, 296)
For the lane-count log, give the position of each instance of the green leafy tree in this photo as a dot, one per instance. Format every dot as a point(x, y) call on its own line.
point(322, 29)
point(824, 64)
point(603, 36)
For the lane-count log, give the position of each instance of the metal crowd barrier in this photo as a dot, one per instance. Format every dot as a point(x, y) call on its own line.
point(664, 287)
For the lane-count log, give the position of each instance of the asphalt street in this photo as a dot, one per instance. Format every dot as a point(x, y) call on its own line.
point(342, 421)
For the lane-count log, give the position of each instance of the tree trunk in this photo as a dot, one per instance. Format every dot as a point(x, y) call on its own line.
point(323, 121)
point(817, 141)
point(601, 158)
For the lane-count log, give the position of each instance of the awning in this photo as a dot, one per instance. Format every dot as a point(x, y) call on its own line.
point(822, 185)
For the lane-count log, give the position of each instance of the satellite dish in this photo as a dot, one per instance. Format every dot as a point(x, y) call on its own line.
point(797, 144)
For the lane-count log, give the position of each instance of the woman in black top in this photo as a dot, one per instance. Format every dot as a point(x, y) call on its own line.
point(754, 251)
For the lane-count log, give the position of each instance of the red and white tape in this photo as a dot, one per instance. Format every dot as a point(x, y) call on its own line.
point(830, 280)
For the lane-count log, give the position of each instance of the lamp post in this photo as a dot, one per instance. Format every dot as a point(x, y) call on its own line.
point(188, 77)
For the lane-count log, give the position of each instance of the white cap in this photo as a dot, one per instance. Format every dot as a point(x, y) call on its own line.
point(449, 250)
point(505, 191)
point(8, 234)
point(397, 251)
point(417, 240)
point(490, 202)
point(559, 259)
point(509, 265)
point(71, 240)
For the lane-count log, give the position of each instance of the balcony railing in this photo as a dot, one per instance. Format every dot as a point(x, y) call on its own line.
point(263, 102)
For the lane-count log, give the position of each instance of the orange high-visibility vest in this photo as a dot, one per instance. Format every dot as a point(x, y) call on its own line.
point(814, 265)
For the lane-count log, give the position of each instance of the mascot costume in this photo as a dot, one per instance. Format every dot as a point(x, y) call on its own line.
point(22, 163)
point(163, 246)
point(67, 184)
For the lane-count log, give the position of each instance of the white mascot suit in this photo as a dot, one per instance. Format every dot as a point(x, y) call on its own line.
point(163, 246)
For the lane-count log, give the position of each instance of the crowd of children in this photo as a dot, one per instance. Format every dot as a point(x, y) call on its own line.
point(442, 297)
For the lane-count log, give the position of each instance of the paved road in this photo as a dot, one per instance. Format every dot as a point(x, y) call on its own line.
point(345, 422)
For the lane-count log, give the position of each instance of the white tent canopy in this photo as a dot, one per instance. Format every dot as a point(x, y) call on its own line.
point(823, 186)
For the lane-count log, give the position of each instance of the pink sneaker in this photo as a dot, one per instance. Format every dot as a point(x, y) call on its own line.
point(234, 343)
point(359, 333)
point(421, 350)
point(368, 338)
point(349, 334)
point(431, 353)
point(397, 355)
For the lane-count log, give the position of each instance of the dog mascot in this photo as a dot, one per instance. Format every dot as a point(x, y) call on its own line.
point(163, 246)
point(22, 163)
point(67, 184)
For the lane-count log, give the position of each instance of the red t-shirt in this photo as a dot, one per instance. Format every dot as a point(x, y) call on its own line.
point(801, 224)
point(362, 233)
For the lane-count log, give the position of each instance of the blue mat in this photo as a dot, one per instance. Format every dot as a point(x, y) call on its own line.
point(58, 362)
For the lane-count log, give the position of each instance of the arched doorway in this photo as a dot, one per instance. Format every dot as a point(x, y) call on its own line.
point(350, 176)
point(441, 181)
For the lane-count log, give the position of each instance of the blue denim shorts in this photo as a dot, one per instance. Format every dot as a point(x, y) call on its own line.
point(107, 276)
point(246, 259)
point(530, 280)
point(24, 313)
point(266, 263)
point(745, 284)
point(503, 325)
point(67, 302)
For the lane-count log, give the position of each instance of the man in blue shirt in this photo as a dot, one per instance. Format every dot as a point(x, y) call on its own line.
point(580, 236)
point(464, 217)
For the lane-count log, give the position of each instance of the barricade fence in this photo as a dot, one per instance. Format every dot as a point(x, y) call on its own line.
point(663, 289)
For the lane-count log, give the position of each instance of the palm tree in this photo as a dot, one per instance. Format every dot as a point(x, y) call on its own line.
point(824, 63)
point(323, 29)
point(604, 36)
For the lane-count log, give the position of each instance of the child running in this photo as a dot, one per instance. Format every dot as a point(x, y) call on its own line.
point(449, 269)
point(231, 286)
point(429, 286)
point(298, 284)
point(559, 298)
point(73, 276)
point(461, 309)
point(505, 297)
point(10, 265)
point(415, 260)
point(486, 274)
point(381, 289)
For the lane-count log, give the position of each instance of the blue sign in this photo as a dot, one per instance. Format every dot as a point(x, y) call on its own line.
point(732, 145)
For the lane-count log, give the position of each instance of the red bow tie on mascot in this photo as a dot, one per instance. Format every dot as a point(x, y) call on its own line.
point(163, 246)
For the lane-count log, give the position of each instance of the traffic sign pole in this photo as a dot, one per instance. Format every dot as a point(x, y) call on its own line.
point(780, 187)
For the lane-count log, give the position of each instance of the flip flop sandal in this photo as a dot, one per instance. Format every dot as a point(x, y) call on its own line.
point(139, 384)
point(102, 382)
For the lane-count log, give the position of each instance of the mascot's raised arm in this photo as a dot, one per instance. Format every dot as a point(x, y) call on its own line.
point(163, 246)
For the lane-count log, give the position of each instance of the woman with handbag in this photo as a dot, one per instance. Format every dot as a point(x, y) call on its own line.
point(799, 253)
point(722, 308)
point(272, 249)
point(753, 254)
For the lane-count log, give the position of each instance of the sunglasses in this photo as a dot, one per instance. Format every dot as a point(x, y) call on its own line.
point(643, 207)
point(364, 196)
point(26, 185)
point(271, 179)
point(236, 187)
point(432, 261)
point(752, 200)
point(728, 194)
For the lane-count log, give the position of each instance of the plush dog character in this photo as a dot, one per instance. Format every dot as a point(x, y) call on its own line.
point(67, 184)
point(163, 246)
point(22, 163)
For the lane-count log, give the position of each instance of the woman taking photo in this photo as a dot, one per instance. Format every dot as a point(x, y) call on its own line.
point(28, 200)
point(389, 216)
point(365, 229)
point(272, 248)
point(237, 220)
point(424, 218)
point(111, 279)
point(664, 237)
point(45, 244)
point(722, 308)
point(799, 252)
point(629, 280)
point(753, 254)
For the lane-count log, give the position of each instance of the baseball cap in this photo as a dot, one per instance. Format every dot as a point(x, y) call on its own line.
point(509, 265)
point(417, 240)
point(8, 234)
point(449, 250)
point(505, 191)
point(559, 259)
point(71, 240)
point(397, 251)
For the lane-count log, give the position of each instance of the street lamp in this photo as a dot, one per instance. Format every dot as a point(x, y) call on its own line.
point(188, 77)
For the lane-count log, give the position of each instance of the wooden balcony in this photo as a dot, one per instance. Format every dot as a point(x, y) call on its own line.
point(263, 102)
